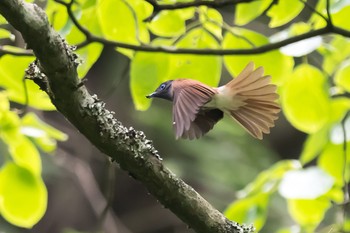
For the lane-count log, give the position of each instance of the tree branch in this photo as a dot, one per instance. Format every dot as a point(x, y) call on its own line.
point(128, 147)
point(181, 5)
point(90, 38)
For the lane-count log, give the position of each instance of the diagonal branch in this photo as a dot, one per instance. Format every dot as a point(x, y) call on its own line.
point(128, 147)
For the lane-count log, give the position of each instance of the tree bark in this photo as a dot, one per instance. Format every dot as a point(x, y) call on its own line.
point(57, 76)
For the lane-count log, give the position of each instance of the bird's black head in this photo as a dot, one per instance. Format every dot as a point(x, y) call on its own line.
point(164, 91)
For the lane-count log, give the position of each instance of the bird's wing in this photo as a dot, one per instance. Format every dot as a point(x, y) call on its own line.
point(205, 121)
point(189, 97)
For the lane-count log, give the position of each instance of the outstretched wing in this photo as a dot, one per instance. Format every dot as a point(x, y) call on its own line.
point(204, 121)
point(189, 97)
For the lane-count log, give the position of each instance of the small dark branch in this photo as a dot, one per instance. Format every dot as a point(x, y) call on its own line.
point(270, 6)
point(256, 50)
point(345, 94)
point(24, 53)
point(72, 17)
point(311, 8)
point(328, 9)
point(214, 4)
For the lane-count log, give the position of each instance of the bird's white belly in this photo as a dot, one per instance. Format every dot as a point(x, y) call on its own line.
point(224, 100)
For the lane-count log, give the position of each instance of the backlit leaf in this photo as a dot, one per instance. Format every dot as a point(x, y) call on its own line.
point(305, 99)
point(314, 144)
point(42, 134)
point(331, 160)
point(90, 53)
point(26, 155)
point(12, 81)
point(268, 180)
point(249, 210)
point(284, 11)
point(168, 24)
point(212, 21)
point(342, 77)
point(146, 74)
point(246, 12)
point(337, 51)
point(23, 196)
point(132, 13)
point(308, 213)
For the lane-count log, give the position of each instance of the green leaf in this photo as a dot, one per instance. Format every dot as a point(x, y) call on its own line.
point(335, 53)
point(6, 34)
point(147, 72)
point(43, 135)
point(2, 20)
point(305, 99)
point(331, 160)
point(309, 183)
point(246, 12)
point(308, 213)
point(23, 196)
point(342, 77)
point(268, 180)
point(12, 81)
point(4, 102)
point(341, 17)
point(275, 64)
point(314, 144)
point(212, 21)
point(284, 11)
point(25, 154)
point(168, 23)
point(339, 107)
point(32, 120)
point(88, 54)
point(249, 210)
point(9, 127)
point(58, 17)
point(206, 69)
point(132, 13)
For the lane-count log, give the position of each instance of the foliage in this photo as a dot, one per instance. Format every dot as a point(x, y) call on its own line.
point(314, 95)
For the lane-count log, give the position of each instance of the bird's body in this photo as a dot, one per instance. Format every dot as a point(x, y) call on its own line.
point(249, 99)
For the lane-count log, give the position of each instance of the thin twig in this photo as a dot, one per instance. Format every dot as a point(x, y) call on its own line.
point(24, 53)
point(181, 5)
point(328, 6)
point(306, 4)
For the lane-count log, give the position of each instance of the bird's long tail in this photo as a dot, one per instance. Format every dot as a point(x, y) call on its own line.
point(259, 109)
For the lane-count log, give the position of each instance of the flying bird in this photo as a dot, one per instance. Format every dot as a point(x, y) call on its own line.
point(249, 99)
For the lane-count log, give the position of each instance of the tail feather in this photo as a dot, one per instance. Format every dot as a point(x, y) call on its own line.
point(259, 109)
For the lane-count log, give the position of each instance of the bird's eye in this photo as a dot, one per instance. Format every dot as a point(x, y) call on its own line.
point(162, 86)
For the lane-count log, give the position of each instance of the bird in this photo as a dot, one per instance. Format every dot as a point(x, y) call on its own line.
point(249, 99)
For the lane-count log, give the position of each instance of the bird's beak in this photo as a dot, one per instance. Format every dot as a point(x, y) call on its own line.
point(150, 95)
